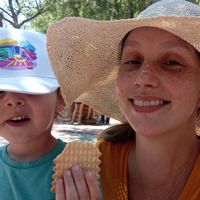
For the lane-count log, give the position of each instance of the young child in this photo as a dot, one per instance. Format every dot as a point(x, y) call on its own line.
point(29, 101)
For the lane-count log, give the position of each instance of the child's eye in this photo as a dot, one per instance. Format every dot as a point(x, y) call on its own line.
point(2, 93)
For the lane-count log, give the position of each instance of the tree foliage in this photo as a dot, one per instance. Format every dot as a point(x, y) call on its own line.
point(41, 13)
point(19, 12)
point(94, 9)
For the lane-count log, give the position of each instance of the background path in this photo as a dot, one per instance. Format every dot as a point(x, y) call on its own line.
point(69, 132)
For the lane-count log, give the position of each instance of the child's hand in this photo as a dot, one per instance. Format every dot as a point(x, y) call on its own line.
point(78, 185)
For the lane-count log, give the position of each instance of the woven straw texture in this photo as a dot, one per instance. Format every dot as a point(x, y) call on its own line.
point(85, 53)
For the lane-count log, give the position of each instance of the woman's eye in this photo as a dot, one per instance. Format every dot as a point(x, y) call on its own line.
point(172, 64)
point(130, 65)
point(132, 62)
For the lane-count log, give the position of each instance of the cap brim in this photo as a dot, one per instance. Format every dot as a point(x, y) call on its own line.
point(29, 85)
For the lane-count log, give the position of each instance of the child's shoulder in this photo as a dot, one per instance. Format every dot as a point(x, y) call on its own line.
point(2, 147)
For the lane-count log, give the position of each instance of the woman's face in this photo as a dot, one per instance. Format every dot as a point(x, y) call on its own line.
point(158, 84)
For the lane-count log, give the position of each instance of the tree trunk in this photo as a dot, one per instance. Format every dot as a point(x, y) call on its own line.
point(1, 20)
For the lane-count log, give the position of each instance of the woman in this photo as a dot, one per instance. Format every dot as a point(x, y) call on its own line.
point(144, 72)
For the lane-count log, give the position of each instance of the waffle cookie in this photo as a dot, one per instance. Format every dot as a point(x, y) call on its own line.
point(84, 154)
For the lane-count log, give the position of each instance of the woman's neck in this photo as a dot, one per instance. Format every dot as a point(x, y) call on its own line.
point(157, 165)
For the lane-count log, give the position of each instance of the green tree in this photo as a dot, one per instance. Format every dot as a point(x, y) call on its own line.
point(19, 12)
point(93, 9)
point(40, 13)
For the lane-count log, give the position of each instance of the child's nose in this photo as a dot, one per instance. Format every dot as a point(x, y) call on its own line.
point(14, 100)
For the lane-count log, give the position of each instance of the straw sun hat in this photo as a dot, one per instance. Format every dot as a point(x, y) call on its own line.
point(85, 53)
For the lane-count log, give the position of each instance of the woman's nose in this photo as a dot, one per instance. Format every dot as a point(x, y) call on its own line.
point(13, 100)
point(146, 77)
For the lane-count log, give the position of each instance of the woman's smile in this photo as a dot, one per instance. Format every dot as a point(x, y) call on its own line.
point(148, 104)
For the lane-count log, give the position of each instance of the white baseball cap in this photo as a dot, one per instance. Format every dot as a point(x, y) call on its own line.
point(24, 63)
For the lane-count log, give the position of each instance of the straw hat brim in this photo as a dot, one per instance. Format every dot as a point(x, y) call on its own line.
point(85, 55)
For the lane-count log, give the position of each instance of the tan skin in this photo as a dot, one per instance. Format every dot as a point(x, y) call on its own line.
point(157, 67)
point(78, 185)
point(30, 139)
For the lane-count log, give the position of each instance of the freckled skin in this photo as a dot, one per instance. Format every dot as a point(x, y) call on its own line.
point(159, 64)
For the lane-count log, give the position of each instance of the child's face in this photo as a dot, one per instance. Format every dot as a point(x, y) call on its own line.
point(27, 117)
point(158, 84)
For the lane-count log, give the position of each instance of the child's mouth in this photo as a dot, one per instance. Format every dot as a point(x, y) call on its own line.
point(17, 120)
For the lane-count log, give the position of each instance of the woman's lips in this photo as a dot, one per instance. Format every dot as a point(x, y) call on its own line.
point(147, 104)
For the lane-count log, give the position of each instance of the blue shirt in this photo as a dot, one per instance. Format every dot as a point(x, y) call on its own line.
point(27, 180)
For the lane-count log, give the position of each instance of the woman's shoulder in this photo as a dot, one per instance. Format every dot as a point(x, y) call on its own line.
point(110, 147)
point(120, 133)
point(102, 143)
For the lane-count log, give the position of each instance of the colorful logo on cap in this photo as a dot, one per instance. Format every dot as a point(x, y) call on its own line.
point(17, 55)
